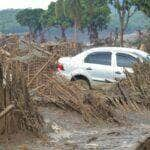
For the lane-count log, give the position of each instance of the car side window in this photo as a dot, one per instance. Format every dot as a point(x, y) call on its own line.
point(102, 58)
point(125, 60)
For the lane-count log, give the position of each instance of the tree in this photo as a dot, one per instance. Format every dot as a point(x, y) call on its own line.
point(51, 17)
point(48, 19)
point(125, 9)
point(31, 19)
point(61, 18)
point(144, 5)
point(74, 11)
point(44, 26)
point(95, 15)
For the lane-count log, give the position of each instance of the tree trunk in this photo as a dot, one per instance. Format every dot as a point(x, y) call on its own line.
point(34, 36)
point(63, 35)
point(93, 34)
point(121, 37)
point(75, 33)
point(30, 34)
point(42, 36)
point(121, 30)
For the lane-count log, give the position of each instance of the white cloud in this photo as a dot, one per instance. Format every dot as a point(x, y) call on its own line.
point(4, 4)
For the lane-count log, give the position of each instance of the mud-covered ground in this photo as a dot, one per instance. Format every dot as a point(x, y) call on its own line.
point(66, 130)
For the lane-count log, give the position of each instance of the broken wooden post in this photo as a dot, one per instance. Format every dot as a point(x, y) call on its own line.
point(6, 111)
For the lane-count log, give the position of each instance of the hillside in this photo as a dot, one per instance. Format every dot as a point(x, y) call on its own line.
point(8, 23)
point(138, 21)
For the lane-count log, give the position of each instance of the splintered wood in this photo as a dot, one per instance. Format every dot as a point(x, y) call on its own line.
point(66, 95)
point(26, 67)
point(22, 67)
point(52, 89)
point(135, 89)
point(37, 60)
point(17, 110)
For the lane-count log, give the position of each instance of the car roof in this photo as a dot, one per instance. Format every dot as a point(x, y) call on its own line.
point(118, 49)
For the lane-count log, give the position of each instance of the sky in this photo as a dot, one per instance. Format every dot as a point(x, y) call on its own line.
point(5, 4)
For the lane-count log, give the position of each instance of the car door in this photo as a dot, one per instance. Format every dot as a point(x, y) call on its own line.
point(124, 62)
point(99, 66)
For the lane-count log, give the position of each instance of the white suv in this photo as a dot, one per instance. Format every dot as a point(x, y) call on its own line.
point(97, 65)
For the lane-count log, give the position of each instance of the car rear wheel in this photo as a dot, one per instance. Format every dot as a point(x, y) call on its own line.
point(82, 83)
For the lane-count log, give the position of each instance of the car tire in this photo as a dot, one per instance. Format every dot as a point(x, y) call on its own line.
point(83, 84)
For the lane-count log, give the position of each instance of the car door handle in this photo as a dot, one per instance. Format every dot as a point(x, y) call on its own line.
point(118, 72)
point(88, 68)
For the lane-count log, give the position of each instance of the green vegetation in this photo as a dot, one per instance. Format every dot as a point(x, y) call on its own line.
point(144, 5)
point(74, 11)
point(139, 21)
point(125, 9)
point(30, 18)
point(8, 22)
point(62, 20)
point(95, 17)
point(85, 15)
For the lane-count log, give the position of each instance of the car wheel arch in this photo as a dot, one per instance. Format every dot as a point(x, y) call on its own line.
point(79, 76)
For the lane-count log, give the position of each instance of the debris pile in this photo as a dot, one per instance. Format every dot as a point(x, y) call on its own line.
point(28, 68)
point(41, 59)
point(17, 110)
point(68, 95)
point(134, 91)
point(46, 87)
point(146, 43)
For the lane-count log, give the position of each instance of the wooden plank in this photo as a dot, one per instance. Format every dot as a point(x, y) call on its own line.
point(6, 111)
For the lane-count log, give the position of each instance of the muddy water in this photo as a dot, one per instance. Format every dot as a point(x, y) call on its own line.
point(71, 132)
point(66, 130)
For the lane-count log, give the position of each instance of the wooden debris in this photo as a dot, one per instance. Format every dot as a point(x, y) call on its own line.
point(134, 91)
point(17, 110)
point(6, 111)
point(39, 71)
